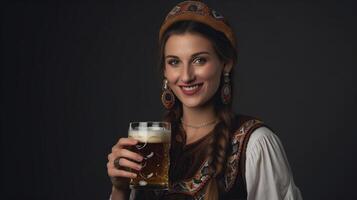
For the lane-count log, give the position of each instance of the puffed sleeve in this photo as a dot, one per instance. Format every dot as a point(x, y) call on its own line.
point(268, 174)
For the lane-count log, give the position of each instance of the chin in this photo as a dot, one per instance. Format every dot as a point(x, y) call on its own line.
point(193, 104)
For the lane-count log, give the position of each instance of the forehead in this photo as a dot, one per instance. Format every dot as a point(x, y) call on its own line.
point(186, 44)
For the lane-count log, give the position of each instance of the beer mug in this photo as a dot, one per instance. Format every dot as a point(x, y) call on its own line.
point(154, 145)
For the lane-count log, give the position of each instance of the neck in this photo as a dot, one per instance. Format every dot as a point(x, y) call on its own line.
point(196, 116)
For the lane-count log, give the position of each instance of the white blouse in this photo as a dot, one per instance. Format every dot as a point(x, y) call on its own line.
point(268, 174)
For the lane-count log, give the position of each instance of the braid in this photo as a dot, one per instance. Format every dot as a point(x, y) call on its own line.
point(222, 138)
point(217, 151)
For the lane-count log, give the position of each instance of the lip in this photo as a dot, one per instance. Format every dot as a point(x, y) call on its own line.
point(191, 89)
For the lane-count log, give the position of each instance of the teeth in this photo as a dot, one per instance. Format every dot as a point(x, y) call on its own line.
point(189, 88)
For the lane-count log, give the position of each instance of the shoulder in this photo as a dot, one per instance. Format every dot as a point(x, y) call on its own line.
point(259, 132)
point(257, 137)
point(265, 155)
point(263, 137)
point(260, 142)
point(265, 145)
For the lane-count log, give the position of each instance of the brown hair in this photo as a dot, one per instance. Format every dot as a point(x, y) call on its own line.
point(219, 142)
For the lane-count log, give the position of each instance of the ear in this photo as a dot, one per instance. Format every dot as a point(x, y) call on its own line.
point(227, 67)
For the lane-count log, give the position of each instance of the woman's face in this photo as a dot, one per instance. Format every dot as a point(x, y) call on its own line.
point(192, 68)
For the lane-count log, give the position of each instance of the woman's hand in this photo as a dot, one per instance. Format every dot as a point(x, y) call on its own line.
point(128, 161)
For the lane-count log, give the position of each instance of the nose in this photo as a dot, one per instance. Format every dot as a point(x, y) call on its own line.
point(187, 74)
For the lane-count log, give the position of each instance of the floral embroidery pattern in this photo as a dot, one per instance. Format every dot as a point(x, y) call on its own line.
point(195, 7)
point(237, 147)
point(193, 185)
point(217, 15)
point(175, 10)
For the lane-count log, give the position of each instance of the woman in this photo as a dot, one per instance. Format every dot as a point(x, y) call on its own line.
point(214, 154)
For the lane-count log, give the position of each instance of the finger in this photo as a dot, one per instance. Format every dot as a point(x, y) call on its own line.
point(125, 153)
point(122, 173)
point(129, 164)
point(113, 172)
point(126, 142)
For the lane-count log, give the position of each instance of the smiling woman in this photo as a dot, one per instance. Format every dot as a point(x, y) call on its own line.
point(215, 154)
point(192, 68)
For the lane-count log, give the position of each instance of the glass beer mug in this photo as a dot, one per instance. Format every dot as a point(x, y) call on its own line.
point(154, 145)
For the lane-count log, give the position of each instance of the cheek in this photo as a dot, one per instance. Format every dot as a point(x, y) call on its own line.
point(212, 75)
point(214, 83)
point(171, 75)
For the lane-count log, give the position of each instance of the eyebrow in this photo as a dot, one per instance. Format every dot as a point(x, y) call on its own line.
point(193, 55)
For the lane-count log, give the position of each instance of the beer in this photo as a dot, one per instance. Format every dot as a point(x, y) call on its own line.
point(154, 146)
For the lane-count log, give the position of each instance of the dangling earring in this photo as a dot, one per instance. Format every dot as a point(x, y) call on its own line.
point(226, 93)
point(167, 97)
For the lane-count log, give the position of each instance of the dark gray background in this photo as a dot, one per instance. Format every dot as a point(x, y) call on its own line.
point(74, 74)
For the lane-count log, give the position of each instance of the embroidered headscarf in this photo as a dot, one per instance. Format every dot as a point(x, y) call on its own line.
point(200, 12)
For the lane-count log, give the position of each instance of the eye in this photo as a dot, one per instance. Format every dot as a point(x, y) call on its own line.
point(199, 60)
point(173, 62)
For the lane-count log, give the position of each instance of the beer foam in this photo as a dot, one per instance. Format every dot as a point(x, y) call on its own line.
point(151, 135)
